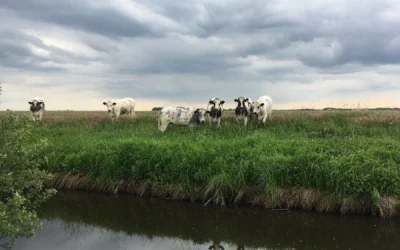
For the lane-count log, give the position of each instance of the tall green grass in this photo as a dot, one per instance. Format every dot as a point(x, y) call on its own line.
point(343, 153)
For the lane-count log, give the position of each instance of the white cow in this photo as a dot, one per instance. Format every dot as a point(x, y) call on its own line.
point(37, 108)
point(244, 109)
point(119, 107)
point(263, 108)
point(215, 109)
point(180, 116)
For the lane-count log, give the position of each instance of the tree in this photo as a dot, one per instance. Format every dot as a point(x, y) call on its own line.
point(21, 180)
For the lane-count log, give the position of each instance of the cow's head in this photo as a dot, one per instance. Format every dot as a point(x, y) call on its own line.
point(257, 107)
point(36, 105)
point(197, 117)
point(200, 113)
point(216, 104)
point(242, 102)
point(110, 105)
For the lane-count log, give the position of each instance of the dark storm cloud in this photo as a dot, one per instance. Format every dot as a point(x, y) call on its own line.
point(17, 51)
point(271, 28)
point(82, 15)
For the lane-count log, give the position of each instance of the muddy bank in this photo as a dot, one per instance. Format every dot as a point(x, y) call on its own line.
point(288, 198)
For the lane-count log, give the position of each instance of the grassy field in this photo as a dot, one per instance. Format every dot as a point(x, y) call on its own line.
point(336, 160)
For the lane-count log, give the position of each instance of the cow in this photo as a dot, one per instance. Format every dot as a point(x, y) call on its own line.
point(244, 109)
point(180, 116)
point(119, 107)
point(37, 108)
point(263, 108)
point(215, 109)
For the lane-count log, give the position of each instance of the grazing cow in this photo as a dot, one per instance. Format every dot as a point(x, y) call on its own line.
point(244, 109)
point(214, 110)
point(119, 107)
point(37, 108)
point(263, 108)
point(180, 116)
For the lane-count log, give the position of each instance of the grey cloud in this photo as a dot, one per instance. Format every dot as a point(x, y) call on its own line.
point(271, 29)
point(16, 51)
point(373, 87)
point(82, 15)
point(210, 46)
point(17, 56)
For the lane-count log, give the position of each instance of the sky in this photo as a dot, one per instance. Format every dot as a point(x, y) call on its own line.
point(304, 54)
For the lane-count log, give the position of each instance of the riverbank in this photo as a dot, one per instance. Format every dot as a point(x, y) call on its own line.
point(289, 198)
point(328, 161)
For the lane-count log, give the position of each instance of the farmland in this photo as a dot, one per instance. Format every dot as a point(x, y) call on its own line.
point(345, 161)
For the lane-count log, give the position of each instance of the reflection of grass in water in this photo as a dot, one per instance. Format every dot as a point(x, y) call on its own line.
point(251, 227)
point(349, 157)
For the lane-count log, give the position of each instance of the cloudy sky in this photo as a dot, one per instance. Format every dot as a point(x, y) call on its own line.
point(77, 54)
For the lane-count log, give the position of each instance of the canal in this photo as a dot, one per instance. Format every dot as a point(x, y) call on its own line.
point(83, 220)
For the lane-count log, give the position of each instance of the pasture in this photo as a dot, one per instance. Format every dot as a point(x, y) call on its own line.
point(344, 161)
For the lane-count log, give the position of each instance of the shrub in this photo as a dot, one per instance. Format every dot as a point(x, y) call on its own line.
point(21, 180)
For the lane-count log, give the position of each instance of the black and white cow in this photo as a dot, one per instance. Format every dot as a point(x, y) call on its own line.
point(263, 108)
point(37, 108)
point(215, 109)
point(180, 116)
point(244, 109)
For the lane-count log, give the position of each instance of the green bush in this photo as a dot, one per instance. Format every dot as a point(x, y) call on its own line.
point(21, 180)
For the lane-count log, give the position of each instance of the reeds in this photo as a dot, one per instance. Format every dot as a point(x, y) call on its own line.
point(283, 198)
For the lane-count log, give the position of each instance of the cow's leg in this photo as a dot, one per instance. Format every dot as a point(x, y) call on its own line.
point(237, 119)
point(265, 118)
point(245, 121)
point(40, 115)
point(33, 117)
point(210, 120)
point(163, 127)
point(219, 121)
point(117, 114)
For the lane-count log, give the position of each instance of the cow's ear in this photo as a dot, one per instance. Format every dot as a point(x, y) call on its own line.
point(246, 100)
point(207, 112)
point(30, 102)
point(196, 111)
point(40, 102)
point(114, 103)
point(211, 102)
point(104, 103)
point(222, 102)
point(236, 100)
point(262, 104)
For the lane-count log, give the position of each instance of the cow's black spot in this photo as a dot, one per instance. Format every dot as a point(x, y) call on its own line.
point(195, 119)
point(240, 111)
point(36, 107)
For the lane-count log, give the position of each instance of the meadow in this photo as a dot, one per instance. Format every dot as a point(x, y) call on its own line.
point(345, 161)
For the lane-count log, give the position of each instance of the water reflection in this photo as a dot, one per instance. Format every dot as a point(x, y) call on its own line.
point(80, 220)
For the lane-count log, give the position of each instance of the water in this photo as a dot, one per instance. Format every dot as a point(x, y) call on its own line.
point(80, 220)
